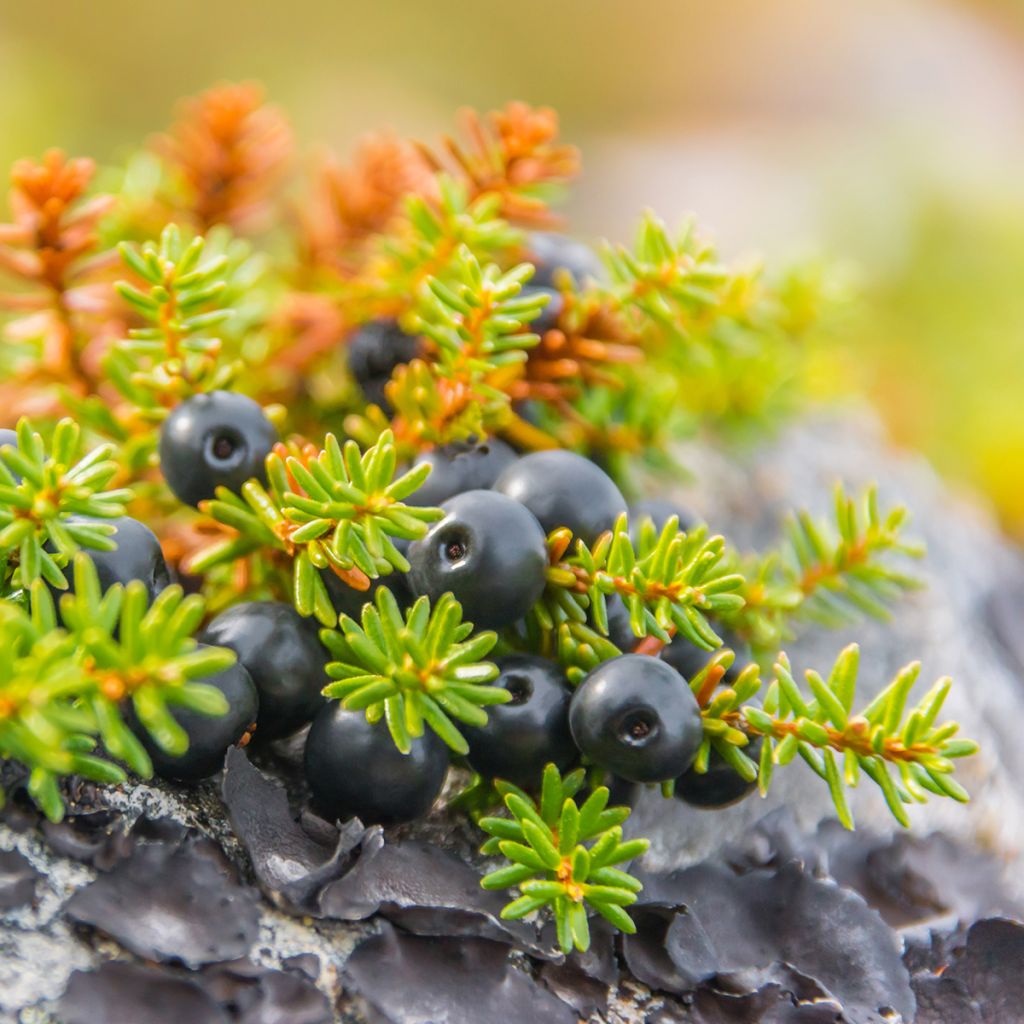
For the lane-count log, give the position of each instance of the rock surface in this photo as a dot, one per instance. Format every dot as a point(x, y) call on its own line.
point(963, 625)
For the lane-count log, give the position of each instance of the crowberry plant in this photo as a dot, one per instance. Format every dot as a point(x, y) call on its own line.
point(387, 429)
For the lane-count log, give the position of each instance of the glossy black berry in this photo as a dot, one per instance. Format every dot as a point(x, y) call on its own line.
point(282, 653)
point(637, 717)
point(137, 557)
point(528, 732)
point(550, 252)
point(721, 784)
point(462, 466)
point(374, 351)
point(354, 768)
point(564, 489)
point(209, 736)
point(489, 551)
point(220, 439)
point(659, 511)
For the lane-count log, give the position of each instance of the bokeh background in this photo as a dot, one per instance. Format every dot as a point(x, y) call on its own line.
point(885, 134)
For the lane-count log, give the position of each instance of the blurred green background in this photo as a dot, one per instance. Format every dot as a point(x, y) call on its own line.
point(887, 132)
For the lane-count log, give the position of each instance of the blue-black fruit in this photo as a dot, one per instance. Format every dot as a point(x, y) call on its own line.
point(528, 732)
point(564, 489)
point(137, 557)
point(282, 653)
point(636, 717)
point(551, 252)
point(374, 351)
point(489, 551)
point(220, 439)
point(721, 785)
point(461, 466)
point(354, 769)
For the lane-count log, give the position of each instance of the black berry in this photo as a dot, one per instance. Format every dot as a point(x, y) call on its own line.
point(220, 439)
point(659, 511)
point(459, 467)
point(551, 252)
point(354, 768)
point(637, 717)
point(564, 489)
point(282, 653)
point(374, 351)
point(209, 736)
point(137, 557)
point(721, 784)
point(532, 729)
point(489, 552)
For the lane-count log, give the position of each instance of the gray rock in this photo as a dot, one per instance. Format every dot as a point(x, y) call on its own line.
point(950, 625)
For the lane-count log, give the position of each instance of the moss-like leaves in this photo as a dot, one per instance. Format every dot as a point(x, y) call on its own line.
point(175, 356)
point(670, 582)
point(63, 685)
point(336, 511)
point(827, 573)
point(839, 744)
point(423, 668)
point(42, 488)
point(563, 856)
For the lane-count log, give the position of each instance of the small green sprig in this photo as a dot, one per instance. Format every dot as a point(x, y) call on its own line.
point(64, 684)
point(563, 856)
point(41, 724)
point(139, 652)
point(175, 356)
point(50, 499)
point(434, 231)
point(423, 668)
point(670, 582)
point(905, 752)
point(671, 283)
point(882, 739)
point(830, 574)
point(477, 317)
point(336, 511)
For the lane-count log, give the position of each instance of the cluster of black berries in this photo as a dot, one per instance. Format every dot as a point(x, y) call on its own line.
point(634, 716)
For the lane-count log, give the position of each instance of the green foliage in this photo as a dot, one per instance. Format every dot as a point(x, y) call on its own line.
point(421, 668)
point(670, 581)
point(475, 315)
point(563, 855)
point(477, 318)
point(63, 684)
point(57, 484)
point(434, 232)
point(882, 738)
point(672, 283)
point(173, 357)
point(829, 574)
point(336, 512)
